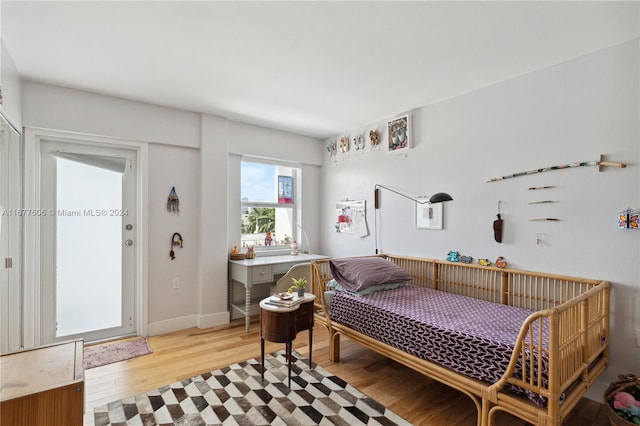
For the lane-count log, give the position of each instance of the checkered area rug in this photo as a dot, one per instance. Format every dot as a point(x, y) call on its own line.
point(235, 395)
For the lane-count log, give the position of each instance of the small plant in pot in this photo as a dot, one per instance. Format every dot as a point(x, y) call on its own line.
point(298, 286)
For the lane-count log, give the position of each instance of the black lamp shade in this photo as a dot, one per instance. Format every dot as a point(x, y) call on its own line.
point(440, 197)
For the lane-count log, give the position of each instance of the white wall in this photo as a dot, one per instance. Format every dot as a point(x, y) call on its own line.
point(568, 113)
point(11, 89)
point(274, 144)
point(191, 152)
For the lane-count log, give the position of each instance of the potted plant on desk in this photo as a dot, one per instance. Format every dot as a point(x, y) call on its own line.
point(298, 286)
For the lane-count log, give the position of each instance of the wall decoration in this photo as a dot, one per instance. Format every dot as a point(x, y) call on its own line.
point(344, 144)
point(533, 188)
point(399, 133)
point(343, 221)
point(333, 150)
point(428, 216)
point(351, 218)
point(173, 202)
point(497, 226)
point(629, 219)
point(285, 190)
point(374, 138)
point(359, 218)
point(601, 165)
point(1, 99)
point(358, 142)
point(176, 240)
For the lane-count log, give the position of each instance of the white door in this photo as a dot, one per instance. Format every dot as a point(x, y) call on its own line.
point(89, 258)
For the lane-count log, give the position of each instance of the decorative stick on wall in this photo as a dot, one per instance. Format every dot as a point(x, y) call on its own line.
point(543, 202)
point(601, 165)
point(533, 188)
point(538, 219)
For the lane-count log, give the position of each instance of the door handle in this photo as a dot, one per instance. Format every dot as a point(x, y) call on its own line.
point(128, 242)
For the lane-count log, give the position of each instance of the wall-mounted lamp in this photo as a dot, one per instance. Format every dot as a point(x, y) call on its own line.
point(438, 197)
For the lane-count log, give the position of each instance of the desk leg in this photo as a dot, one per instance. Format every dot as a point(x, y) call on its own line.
point(247, 307)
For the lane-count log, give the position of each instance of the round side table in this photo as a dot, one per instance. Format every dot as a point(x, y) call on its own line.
point(281, 324)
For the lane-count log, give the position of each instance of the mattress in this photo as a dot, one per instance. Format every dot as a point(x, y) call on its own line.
point(470, 336)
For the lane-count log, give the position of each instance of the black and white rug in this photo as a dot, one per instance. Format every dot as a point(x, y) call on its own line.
point(235, 395)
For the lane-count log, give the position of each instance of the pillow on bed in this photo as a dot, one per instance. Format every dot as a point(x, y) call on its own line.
point(356, 274)
point(333, 285)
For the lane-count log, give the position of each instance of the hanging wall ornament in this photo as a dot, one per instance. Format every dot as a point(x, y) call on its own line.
point(176, 240)
point(173, 202)
point(374, 137)
point(629, 219)
point(332, 150)
point(497, 226)
point(358, 142)
point(344, 144)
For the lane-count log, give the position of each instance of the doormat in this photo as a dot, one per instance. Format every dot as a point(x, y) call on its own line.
point(236, 395)
point(108, 353)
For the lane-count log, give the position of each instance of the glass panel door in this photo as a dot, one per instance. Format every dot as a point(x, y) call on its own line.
point(88, 248)
point(88, 272)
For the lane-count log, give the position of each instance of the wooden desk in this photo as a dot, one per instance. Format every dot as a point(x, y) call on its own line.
point(260, 270)
point(43, 386)
point(281, 325)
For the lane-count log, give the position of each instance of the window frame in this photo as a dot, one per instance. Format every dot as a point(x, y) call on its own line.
point(295, 205)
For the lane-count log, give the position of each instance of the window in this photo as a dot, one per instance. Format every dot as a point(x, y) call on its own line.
point(269, 199)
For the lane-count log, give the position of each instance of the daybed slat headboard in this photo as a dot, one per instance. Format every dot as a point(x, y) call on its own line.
point(525, 289)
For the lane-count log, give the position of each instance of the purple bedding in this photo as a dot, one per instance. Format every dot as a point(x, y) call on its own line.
point(470, 336)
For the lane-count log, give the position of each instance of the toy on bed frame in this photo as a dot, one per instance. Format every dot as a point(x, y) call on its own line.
point(560, 350)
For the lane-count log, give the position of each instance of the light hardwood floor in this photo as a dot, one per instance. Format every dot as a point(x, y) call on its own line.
point(190, 352)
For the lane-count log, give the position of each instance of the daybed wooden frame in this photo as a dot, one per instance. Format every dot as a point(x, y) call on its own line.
point(576, 311)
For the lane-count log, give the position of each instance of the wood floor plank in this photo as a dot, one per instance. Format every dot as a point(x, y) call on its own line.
point(190, 352)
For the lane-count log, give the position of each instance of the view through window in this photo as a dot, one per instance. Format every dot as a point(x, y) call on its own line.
point(268, 213)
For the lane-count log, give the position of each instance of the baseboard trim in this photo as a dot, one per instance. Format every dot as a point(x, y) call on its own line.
point(213, 320)
point(188, 321)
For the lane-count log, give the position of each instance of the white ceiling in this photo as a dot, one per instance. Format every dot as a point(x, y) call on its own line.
point(314, 68)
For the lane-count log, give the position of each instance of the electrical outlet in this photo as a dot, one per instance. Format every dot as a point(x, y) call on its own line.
point(176, 283)
point(638, 337)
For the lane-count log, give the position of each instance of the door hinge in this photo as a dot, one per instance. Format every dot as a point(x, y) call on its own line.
point(8, 262)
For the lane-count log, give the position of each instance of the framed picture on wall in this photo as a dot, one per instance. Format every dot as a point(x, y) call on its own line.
point(429, 216)
point(399, 134)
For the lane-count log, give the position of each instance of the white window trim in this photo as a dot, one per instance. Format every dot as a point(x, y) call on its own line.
point(296, 205)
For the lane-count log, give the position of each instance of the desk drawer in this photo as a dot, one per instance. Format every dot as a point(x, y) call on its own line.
point(261, 274)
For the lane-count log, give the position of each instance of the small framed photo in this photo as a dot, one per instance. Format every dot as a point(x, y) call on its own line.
point(429, 216)
point(399, 134)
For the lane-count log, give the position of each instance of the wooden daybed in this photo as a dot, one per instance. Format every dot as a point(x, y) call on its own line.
point(574, 313)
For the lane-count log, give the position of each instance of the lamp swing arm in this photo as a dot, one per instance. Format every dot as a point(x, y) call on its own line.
point(435, 198)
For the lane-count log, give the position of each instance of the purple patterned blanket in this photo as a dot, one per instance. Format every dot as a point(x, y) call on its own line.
point(470, 336)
